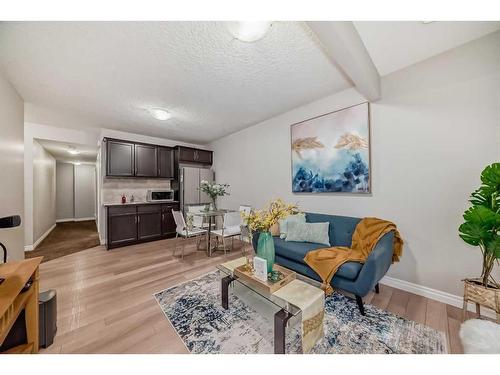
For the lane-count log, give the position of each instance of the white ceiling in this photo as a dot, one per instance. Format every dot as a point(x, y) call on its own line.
point(397, 44)
point(111, 72)
point(107, 74)
point(59, 150)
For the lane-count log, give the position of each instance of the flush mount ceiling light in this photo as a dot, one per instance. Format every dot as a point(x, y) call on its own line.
point(427, 22)
point(160, 114)
point(73, 151)
point(248, 31)
point(77, 163)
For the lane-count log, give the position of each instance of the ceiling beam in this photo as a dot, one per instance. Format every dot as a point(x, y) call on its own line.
point(342, 43)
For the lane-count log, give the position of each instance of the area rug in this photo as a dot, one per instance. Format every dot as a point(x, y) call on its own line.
point(194, 310)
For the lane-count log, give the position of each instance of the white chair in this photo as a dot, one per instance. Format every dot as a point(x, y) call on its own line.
point(230, 228)
point(183, 231)
point(198, 221)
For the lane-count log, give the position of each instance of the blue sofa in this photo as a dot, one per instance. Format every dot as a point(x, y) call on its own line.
point(353, 277)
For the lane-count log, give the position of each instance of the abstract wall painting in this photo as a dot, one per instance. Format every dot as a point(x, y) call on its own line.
point(331, 153)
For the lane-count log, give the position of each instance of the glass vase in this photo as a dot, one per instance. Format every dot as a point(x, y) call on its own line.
point(265, 249)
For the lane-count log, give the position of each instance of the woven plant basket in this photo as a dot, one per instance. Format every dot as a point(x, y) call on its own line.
point(481, 295)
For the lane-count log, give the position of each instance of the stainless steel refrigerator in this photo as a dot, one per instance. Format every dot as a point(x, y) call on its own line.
point(189, 183)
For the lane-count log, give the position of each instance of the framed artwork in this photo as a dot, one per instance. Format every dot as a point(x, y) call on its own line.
point(331, 152)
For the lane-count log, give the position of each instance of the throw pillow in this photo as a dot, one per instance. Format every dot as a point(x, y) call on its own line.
point(298, 218)
point(308, 232)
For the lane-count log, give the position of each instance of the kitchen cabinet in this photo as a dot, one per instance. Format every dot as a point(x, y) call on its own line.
point(165, 162)
point(146, 161)
point(149, 222)
point(122, 226)
point(120, 158)
point(168, 228)
point(134, 223)
point(194, 155)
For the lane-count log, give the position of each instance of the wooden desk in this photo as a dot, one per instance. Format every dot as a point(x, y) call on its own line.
point(12, 301)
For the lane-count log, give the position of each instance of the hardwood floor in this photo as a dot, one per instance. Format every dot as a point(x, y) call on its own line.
point(105, 302)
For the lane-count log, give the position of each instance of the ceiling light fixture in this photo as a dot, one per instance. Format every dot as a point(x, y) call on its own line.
point(77, 163)
point(248, 31)
point(73, 151)
point(160, 114)
point(427, 22)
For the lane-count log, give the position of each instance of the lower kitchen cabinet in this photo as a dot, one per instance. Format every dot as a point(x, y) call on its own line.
point(122, 226)
point(149, 222)
point(131, 224)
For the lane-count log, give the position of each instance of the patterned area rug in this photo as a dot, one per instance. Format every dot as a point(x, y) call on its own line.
point(194, 310)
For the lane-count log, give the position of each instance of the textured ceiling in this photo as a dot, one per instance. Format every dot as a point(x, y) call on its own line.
point(110, 72)
point(59, 150)
point(396, 45)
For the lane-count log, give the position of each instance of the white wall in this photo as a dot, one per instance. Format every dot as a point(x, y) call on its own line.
point(11, 156)
point(434, 130)
point(65, 196)
point(85, 195)
point(44, 191)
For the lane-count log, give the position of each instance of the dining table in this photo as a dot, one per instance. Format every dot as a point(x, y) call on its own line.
point(210, 216)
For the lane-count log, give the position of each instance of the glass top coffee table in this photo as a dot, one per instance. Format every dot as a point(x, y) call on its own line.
point(285, 309)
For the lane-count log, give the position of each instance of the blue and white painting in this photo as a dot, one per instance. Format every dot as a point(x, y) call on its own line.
point(331, 153)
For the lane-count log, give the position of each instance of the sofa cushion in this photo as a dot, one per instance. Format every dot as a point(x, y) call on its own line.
point(341, 227)
point(296, 251)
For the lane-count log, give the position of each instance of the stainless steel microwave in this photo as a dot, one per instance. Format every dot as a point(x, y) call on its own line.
point(160, 195)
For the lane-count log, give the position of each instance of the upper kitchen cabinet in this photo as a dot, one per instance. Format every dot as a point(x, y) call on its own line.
point(146, 161)
point(193, 155)
point(120, 158)
point(165, 162)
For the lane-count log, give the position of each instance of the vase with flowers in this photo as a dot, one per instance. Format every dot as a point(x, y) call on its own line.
point(213, 190)
point(261, 221)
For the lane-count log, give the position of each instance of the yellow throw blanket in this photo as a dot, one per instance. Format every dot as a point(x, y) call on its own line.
point(326, 262)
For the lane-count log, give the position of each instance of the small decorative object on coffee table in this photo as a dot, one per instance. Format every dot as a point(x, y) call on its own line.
point(262, 221)
point(481, 228)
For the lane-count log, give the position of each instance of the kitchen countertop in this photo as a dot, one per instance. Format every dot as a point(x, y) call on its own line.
point(136, 203)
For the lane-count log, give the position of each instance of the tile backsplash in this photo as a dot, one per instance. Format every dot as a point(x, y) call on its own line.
point(113, 188)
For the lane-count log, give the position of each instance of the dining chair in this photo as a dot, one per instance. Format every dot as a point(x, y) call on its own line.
point(198, 221)
point(182, 230)
point(231, 223)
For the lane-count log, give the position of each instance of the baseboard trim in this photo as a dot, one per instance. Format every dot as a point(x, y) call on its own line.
point(37, 242)
point(434, 294)
point(74, 219)
point(65, 220)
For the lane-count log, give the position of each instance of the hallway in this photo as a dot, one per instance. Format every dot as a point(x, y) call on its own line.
point(67, 238)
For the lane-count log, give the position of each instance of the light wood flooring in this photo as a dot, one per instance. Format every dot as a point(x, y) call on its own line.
point(105, 302)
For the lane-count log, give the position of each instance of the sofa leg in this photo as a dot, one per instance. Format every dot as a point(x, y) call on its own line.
point(359, 301)
point(377, 288)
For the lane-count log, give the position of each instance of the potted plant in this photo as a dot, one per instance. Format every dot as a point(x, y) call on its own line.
point(261, 221)
point(213, 190)
point(481, 229)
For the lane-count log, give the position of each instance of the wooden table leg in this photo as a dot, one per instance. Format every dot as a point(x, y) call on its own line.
point(225, 282)
point(280, 321)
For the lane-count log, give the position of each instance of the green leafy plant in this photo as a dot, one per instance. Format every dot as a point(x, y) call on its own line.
point(482, 222)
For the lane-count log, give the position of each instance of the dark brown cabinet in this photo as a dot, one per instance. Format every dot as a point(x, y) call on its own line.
point(130, 224)
point(149, 222)
point(120, 158)
point(168, 222)
point(122, 226)
point(194, 155)
point(146, 161)
point(165, 162)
